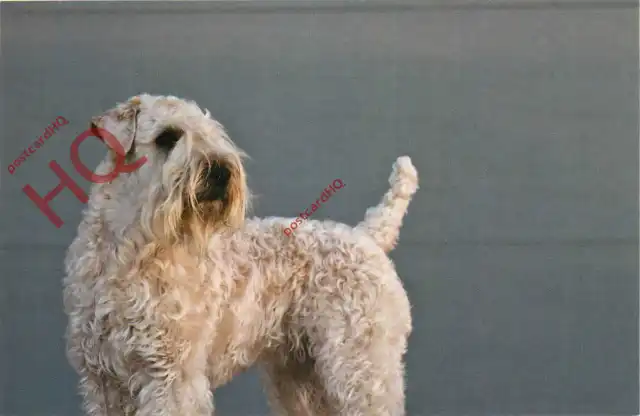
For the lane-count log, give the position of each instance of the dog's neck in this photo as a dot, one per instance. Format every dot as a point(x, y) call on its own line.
point(125, 220)
point(115, 216)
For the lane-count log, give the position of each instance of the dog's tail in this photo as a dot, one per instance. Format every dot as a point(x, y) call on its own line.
point(383, 221)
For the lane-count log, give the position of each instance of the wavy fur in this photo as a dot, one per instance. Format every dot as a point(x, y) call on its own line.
point(169, 297)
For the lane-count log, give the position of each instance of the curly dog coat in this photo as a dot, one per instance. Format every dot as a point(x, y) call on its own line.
point(171, 291)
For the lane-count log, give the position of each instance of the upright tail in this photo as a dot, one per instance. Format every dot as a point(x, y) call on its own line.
point(383, 221)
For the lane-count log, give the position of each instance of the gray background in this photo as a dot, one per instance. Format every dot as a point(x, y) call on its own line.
point(520, 249)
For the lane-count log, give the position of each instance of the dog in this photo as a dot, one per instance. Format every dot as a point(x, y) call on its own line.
point(170, 291)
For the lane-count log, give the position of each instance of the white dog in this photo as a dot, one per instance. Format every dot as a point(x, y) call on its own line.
point(170, 291)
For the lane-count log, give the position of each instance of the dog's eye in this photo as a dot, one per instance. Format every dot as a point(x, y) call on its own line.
point(168, 138)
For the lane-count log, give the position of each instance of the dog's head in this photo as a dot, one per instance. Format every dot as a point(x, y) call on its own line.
point(185, 173)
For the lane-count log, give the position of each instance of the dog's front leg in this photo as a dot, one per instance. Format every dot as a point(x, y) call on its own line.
point(171, 394)
point(173, 384)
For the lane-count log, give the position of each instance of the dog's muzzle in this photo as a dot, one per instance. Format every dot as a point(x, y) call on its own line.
point(215, 184)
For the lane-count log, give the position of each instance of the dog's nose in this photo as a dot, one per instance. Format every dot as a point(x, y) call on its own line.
point(217, 180)
point(218, 175)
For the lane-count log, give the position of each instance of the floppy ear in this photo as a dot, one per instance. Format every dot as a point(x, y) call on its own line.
point(121, 122)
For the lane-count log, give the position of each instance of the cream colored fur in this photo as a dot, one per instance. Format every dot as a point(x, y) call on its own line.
point(169, 296)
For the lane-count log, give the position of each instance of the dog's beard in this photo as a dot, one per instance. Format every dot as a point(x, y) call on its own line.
point(211, 199)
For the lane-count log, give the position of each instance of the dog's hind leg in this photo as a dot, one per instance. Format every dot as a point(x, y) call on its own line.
point(362, 379)
point(293, 387)
point(358, 338)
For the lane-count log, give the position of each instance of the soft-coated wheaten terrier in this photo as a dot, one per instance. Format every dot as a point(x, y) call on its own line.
point(170, 291)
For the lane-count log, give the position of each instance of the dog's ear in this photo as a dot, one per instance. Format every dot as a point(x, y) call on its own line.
point(121, 122)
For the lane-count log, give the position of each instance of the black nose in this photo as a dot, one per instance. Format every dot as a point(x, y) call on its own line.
point(218, 175)
point(216, 183)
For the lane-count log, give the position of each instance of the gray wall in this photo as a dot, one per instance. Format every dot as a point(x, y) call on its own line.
point(520, 250)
